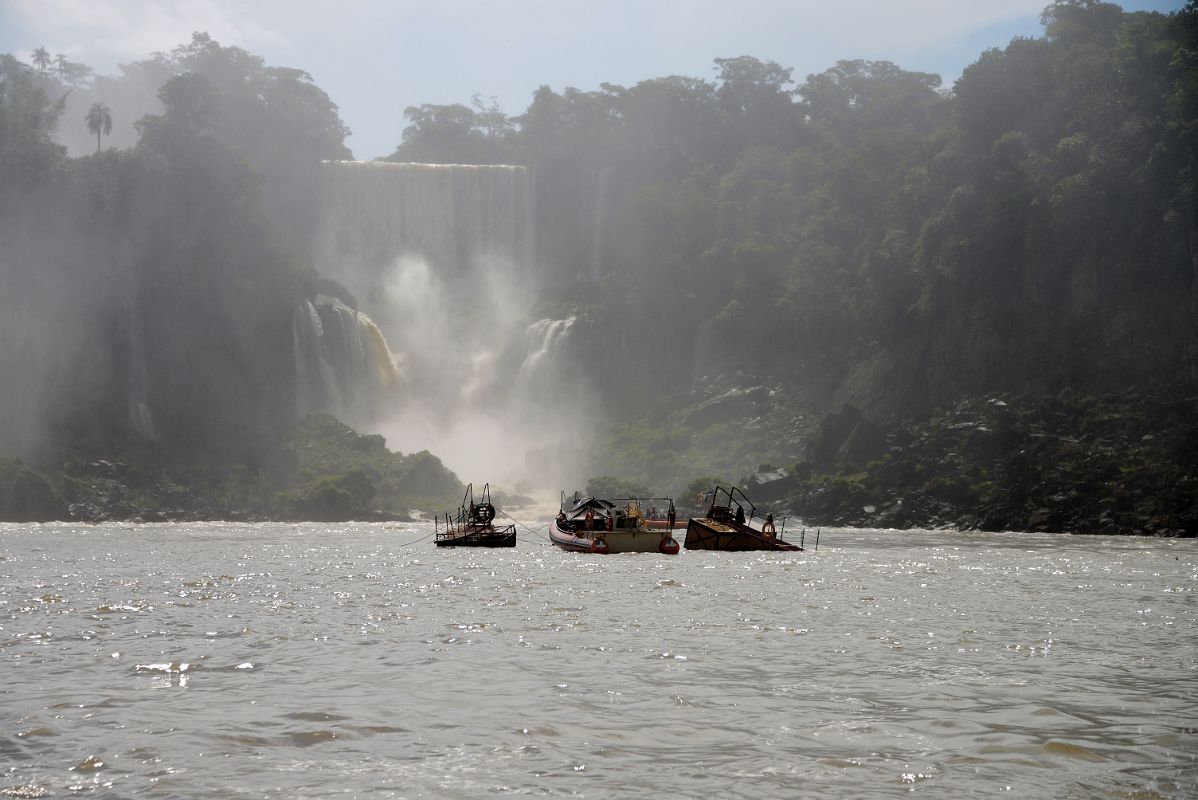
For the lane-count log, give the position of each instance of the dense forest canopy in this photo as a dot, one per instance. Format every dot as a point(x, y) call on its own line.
point(1032, 227)
point(862, 235)
point(156, 270)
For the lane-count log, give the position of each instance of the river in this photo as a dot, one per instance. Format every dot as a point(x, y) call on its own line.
point(274, 660)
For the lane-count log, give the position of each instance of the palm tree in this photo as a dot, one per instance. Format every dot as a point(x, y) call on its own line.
point(41, 57)
point(99, 119)
point(60, 61)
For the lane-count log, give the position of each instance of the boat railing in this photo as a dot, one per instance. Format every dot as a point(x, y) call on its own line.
point(733, 498)
point(654, 507)
point(455, 522)
point(614, 509)
point(462, 521)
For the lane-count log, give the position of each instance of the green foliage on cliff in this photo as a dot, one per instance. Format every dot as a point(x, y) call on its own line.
point(611, 487)
point(153, 279)
point(862, 234)
point(325, 470)
point(146, 302)
point(869, 231)
point(26, 496)
point(1075, 462)
point(319, 469)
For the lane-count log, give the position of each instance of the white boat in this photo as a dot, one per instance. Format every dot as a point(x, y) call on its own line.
point(598, 525)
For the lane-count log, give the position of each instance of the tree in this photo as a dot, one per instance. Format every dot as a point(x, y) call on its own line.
point(855, 96)
point(99, 121)
point(283, 122)
point(191, 107)
point(668, 124)
point(27, 120)
point(41, 58)
point(60, 61)
point(759, 109)
point(454, 133)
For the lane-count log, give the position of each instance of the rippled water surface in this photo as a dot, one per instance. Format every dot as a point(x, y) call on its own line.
point(315, 661)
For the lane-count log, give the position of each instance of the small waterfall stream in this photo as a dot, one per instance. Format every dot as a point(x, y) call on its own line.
point(140, 418)
point(343, 365)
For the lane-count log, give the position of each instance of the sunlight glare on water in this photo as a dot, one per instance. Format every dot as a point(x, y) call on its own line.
point(216, 660)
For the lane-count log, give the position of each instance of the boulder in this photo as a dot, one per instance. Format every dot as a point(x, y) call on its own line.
point(26, 496)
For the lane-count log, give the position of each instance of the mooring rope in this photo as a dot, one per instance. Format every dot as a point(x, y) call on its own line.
point(534, 531)
point(417, 541)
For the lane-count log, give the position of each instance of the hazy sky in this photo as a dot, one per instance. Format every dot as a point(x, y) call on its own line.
point(376, 57)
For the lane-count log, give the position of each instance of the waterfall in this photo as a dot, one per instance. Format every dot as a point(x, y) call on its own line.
point(343, 365)
point(546, 339)
point(701, 353)
point(602, 180)
point(440, 257)
point(449, 215)
point(140, 418)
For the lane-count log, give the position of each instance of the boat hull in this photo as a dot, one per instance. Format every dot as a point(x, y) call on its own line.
point(703, 533)
point(641, 540)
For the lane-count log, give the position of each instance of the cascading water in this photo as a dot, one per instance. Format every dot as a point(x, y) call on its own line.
point(602, 180)
point(548, 337)
point(140, 418)
point(342, 363)
point(440, 257)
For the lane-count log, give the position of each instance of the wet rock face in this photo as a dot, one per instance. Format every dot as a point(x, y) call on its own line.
point(1066, 463)
point(770, 486)
point(847, 439)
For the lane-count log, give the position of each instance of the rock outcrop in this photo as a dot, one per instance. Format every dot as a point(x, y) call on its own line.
point(26, 496)
point(1123, 464)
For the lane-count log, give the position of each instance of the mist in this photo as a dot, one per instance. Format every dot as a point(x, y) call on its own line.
point(441, 258)
point(746, 278)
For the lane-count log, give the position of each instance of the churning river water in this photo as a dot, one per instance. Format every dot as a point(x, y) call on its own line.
point(273, 660)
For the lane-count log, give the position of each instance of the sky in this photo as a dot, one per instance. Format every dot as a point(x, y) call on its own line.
point(377, 57)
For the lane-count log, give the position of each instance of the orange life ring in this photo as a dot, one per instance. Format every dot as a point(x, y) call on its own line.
point(768, 530)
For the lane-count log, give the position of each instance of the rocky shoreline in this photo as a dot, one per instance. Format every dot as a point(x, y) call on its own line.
point(1070, 463)
point(321, 471)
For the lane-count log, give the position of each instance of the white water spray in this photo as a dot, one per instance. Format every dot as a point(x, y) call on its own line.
point(439, 256)
point(343, 365)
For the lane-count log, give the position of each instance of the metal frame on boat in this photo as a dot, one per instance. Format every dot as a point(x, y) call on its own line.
point(728, 525)
point(473, 524)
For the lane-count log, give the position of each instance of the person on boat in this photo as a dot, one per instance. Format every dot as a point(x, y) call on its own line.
point(740, 515)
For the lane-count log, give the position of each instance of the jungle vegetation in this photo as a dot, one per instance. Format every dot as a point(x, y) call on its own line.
point(871, 233)
point(864, 234)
